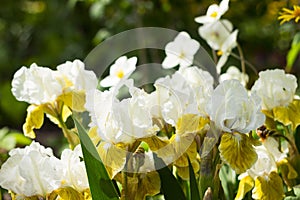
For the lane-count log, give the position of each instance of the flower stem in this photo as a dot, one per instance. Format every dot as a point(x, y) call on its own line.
point(242, 58)
point(71, 136)
point(206, 174)
point(245, 61)
point(290, 139)
point(124, 195)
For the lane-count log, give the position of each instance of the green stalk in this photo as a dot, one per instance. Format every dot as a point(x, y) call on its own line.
point(187, 190)
point(245, 61)
point(290, 139)
point(242, 58)
point(71, 136)
point(206, 174)
point(125, 179)
point(55, 110)
point(124, 184)
point(130, 150)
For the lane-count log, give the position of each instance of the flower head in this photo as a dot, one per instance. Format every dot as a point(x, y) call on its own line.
point(181, 51)
point(201, 83)
point(120, 121)
point(275, 88)
point(35, 171)
point(213, 13)
point(215, 34)
point(40, 85)
point(36, 85)
point(220, 37)
point(73, 172)
point(272, 146)
point(234, 73)
point(263, 173)
point(264, 165)
point(225, 50)
point(286, 15)
point(231, 109)
point(173, 97)
point(120, 70)
point(52, 92)
point(30, 171)
point(76, 77)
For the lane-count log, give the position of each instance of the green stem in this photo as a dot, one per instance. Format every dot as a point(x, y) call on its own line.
point(206, 174)
point(216, 169)
point(130, 150)
point(187, 190)
point(125, 179)
point(242, 58)
point(245, 61)
point(72, 138)
point(124, 185)
point(55, 110)
point(289, 138)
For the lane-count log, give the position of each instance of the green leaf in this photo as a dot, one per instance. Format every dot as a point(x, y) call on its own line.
point(293, 52)
point(9, 140)
point(228, 180)
point(20, 138)
point(297, 190)
point(3, 132)
point(195, 195)
point(169, 185)
point(100, 184)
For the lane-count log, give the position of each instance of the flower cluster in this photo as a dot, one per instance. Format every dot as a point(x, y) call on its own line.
point(35, 171)
point(40, 85)
point(218, 33)
point(54, 93)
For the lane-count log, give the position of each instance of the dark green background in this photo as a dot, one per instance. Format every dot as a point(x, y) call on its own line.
point(49, 32)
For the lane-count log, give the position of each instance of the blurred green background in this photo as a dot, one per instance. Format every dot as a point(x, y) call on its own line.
point(49, 32)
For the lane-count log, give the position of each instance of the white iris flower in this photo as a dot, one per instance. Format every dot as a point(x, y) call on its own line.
point(30, 171)
point(120, 70)
point(213, 13)
point(232, 110)
point(275, 88)
point(234, 73)
point(221, 38)
point(181, 51)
